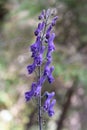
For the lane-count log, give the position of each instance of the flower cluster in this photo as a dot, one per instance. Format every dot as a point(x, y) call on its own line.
point(49, 103)
point(42, 53)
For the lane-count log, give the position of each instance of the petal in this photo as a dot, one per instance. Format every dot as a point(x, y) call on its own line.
point(50, 95)
point(50, 78)
point(37, 91)
point(42, 80)
point(38, 60)
point(51, 113)
point(46, 105)
point(31, 68)
point(42, 15)
point(28, 95)
point(53, 103)
point(51, 69)
point(54, 20)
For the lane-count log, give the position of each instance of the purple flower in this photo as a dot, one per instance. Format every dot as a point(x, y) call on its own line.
point(48, 100)
point(50, 110)
point(49, 103)
point(29, 94)
point(42, 49)
point(49, 95)
point(48, 31)
point(39, 85)
point(50, 79)
point(46, 71)
point(54, 20)
point(51, 46)
point(42, 15)
point(38, 60)
point(49, 56)
point(35, 47)
point(42, 80)
point(31, 68)
point(51, 69)
point(37, 91)
point(46, 105)
point(39, 29)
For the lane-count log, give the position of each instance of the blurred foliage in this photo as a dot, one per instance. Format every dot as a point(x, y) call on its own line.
point(3, 11)
point(31, 7)
point(19, 19)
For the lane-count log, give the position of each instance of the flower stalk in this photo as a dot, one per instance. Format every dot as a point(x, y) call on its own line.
point(39, 105)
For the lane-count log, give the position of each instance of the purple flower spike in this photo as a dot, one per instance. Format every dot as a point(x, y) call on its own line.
point(42, 50)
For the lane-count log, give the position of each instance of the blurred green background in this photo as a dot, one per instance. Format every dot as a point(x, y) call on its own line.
point(18, 19)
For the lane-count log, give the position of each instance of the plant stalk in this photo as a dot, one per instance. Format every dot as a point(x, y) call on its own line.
point(39, 105)
point(39, 98)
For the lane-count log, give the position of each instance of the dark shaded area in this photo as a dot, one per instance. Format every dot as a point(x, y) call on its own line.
point(67, 103)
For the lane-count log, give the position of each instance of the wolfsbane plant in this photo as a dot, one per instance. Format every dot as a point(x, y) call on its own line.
point(42, 58)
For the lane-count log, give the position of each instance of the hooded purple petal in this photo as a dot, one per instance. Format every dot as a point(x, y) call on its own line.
point(51, 111)
point(31, 68)
point(42, 15)
point(30, 94)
